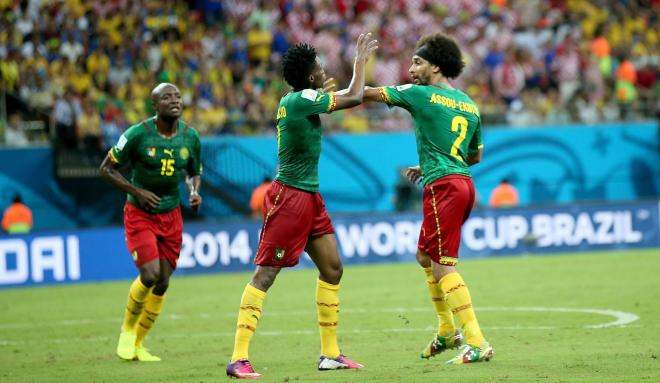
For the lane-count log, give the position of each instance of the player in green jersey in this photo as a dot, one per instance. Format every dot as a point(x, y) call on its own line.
point(295, 218)
point(448, 135)
point(162, 151)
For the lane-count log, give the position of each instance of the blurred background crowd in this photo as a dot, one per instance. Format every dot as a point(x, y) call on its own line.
point(85, 68)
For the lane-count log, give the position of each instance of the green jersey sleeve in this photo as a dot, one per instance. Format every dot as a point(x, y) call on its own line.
point(126, 145)
point(476, 143)
point(309, 102)
point(399, 95)
point(194, 167)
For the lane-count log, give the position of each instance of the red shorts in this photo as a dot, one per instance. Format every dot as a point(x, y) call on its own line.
point(153, 236)
point(291, 217)
point(447, 204)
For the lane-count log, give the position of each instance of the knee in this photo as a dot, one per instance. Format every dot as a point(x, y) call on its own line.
point(333, 274)
point(263, 280)
point(161, 287)
point(422, 259)
point(149, 277)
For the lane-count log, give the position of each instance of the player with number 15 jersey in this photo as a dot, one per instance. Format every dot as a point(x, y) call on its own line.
point(161, 151)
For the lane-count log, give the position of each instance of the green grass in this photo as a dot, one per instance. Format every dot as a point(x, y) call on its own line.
point(68, 333)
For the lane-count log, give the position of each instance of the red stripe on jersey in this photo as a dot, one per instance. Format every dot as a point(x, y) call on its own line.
point(146, 126)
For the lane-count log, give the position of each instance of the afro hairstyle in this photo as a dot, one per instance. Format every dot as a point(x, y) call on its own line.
point(444, 53)
point(297, 64)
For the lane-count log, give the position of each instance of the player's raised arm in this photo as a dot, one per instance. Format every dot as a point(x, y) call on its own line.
point(352, 96)
point(373, 94)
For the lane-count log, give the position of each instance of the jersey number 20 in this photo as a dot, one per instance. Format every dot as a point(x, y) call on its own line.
point(456, 123)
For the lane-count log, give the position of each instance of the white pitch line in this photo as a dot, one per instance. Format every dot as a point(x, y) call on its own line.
point(5, 342)
point(622, 318)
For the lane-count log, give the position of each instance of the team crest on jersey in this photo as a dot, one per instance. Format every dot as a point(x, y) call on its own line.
point(279, 253)
point(151, 152)
point(309, 94)
point(184, 153)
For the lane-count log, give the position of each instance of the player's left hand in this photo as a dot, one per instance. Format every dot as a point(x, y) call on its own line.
point(414, 174)
point(195, 201)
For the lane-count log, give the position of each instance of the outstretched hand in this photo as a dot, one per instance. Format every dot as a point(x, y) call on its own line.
point(365, 46)
point(414, 174)
point(329, 85)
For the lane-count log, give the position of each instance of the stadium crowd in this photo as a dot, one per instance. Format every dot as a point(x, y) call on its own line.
point(89, 65)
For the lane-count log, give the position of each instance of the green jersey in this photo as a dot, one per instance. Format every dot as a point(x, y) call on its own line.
point(299, 137)
point(159, 164)
point(447, 127)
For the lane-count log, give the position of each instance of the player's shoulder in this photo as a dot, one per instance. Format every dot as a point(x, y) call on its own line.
point(188, 130)
point(305, 96)
point(138, 129)
point(408, 88)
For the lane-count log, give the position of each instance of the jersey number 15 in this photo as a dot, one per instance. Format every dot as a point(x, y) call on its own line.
point(168, 167)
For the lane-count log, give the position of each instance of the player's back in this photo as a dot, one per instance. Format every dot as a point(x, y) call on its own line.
point(447, 127)
point(299, 137)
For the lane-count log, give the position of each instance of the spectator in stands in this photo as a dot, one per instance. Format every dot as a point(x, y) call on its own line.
point(17, 218)
point(119, 74)
point(9, 71)
point(14, 132)
point(626, 78)
point(509, 78)
point(567, 69)
point(504, 195)
point(257, 198)
point(66, 111)
point(89, 131)
point(86, 45)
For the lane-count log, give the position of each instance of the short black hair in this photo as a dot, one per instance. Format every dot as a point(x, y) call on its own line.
point(297, 64)
point(17, 199)
point(444, 53)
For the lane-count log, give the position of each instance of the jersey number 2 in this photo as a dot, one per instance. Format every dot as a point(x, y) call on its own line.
point(456, 123)
point(168, 167)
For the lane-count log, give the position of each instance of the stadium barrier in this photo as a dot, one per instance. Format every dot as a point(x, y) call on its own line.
point(100, 254)
point(359, 172)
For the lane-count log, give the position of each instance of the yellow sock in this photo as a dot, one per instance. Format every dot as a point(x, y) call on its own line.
point(327, 308)
point(137, 295)
point(148, 317)
point(248, 318)
point(445, 317)
point(460, 303)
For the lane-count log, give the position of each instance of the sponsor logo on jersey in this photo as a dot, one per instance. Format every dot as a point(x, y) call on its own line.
point(279, 253)
point(184, 153)
point(309, 94)
point(169, 152)
point(151, 152)
point(135, 256)
point(401, 88)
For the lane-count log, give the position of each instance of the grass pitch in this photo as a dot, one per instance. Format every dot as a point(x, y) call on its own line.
point(564, 318)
